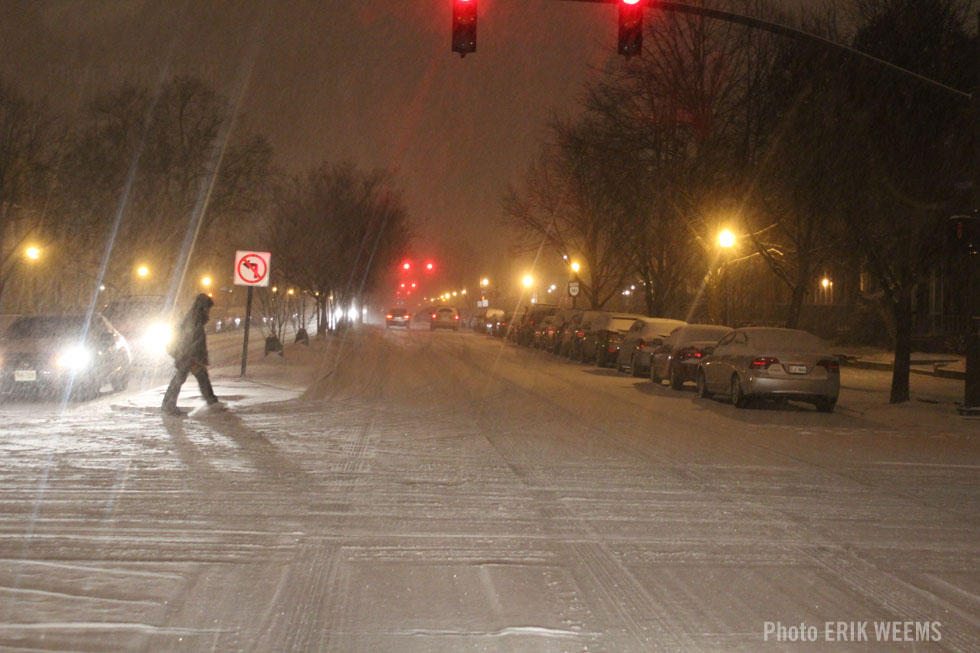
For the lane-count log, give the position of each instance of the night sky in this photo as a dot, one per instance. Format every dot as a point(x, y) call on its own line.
point(373, 82)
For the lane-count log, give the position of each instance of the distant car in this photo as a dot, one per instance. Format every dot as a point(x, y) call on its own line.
point(398, 316)
point(678, 357)
point(47, 354)
point(145, 321)
point(574, 333)
point(531, 321)
point(638, 344)
point(444, 317)
point(759, 362)
point(555, 334)
point(600, 345)
point(489, 321)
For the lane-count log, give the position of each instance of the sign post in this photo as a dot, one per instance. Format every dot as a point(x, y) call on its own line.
point(573, 291)
point(251, 269)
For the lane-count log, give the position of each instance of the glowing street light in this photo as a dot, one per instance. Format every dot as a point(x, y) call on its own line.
point(575, 266)
point(32, 253)
point(528, 281)
point(205, 281)
point(484, 282)
point(143, 271)
point(726, 239)
point(291, 291)
point(826, 283)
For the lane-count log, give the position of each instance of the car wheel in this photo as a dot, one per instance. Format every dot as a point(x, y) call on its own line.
point(739, 400)
point(825, 405)
point(634, 368)
point(703, 392)
point(675, 380)
point(654, 377)
point(120, 381)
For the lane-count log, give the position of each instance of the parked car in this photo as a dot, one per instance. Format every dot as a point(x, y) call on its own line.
point(600, 344)
point(580, 324)
point(490, 320)
point(678, 357)
point(562, 319)
point(398, 316)
point(523, 333)
point(640, 341)
point(46, 354)
point(543, 331)
point(444, 317)
point(761, 362)
point(535, 316)
point(144, 320)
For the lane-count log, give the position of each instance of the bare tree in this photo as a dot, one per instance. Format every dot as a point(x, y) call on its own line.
point(24, 174)
point(336, 230)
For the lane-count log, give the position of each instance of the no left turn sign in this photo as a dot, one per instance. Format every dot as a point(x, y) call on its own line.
point(252, 268)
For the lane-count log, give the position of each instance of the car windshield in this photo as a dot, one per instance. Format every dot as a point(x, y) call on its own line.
point(46, 327)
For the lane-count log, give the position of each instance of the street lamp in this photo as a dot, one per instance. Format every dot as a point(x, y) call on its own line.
point(32, 253)
point(575, 267)
point(205, 281)
point(142, 271)
point(528, 281)
point(726, 239)
point(484, 282)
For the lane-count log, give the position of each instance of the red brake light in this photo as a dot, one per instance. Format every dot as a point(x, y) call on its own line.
point(455, 317)
point(433, 316)
point(831, 366)
point(763, 363)
point(684, 354)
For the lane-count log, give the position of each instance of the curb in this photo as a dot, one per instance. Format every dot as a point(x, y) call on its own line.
point(887, 367)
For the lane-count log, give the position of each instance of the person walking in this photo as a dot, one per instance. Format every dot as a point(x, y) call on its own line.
point(190, 351)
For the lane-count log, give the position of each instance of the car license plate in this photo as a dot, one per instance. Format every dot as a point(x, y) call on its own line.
point(797, 369)
point(25, 375)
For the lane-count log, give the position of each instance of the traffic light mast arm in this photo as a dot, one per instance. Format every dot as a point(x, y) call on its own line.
point(782, 30)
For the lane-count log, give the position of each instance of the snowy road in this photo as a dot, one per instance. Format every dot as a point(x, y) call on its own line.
point(448, 491)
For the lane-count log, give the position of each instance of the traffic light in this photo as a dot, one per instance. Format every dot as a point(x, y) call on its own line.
point(630, 27)
point(464, 26)
point(964, 233)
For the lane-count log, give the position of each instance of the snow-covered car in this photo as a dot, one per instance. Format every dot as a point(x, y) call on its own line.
point(761, 362)
point(600, 345)
point(48, 354)
point(640, 341)
point(145, 322)
point(398, 316)
point(678, 357)
point(444, 317)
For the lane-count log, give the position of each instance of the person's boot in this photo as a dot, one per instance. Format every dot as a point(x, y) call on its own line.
point(172, 411)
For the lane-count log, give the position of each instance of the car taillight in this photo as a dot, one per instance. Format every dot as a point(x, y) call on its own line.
point(684, 354)
point(763, 363)
point(455, 317)
point(831, 366)
point(580, 333)
point(433, 316)
point(388, 316)
point(642, 344)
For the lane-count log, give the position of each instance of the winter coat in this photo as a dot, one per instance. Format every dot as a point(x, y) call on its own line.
point(189, 344)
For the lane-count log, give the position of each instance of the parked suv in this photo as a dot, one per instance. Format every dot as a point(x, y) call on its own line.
point(532, 320)
point(601, 343)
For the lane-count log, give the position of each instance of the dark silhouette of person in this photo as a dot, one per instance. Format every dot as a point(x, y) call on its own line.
point(190, 351)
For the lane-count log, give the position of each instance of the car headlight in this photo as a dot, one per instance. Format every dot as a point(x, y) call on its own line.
point(158, 335)
point(75, 358)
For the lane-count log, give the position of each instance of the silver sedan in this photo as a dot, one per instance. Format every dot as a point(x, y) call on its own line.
point(756, 362)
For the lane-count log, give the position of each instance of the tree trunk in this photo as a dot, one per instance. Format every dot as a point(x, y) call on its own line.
point(798, 294)
point(902, 311)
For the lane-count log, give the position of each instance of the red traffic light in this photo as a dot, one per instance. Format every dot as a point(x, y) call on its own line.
point(464, 26)
point(630, 27)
